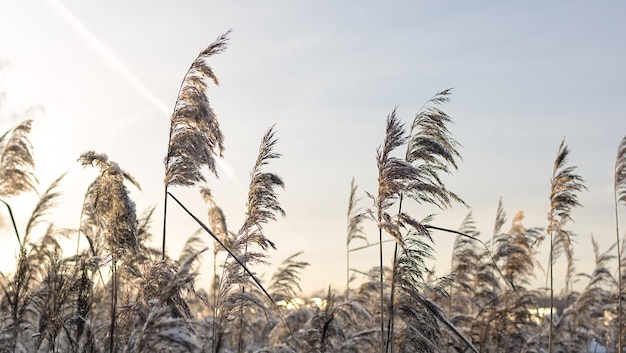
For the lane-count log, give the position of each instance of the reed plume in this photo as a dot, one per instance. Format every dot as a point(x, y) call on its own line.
point(46, 201)
point(263, 205)
point(465, 269)
point(565, 186)
point(107, 201)
point(195, 138)
point(217, 222)
point(433, 151)
point(355, 230)
point(285, 283)
point(17, 161)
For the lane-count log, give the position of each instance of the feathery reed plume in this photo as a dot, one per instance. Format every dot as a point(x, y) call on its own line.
point(516, 250)
point(262, 205)
point(465, 268)
point(393, 176)
point(195, 138)
point(217, 222)
point(619, 193)
point(355, 230)
point(46, 202)
point(195, 135)
point(217, 219)
point(16, 161)
point(107, 201)
point(432, 150)
point(16, 166)
point(563, 197)
point(285, 283)
point(499, 223)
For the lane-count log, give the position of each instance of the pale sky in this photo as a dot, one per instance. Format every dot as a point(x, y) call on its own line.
point(527, 74)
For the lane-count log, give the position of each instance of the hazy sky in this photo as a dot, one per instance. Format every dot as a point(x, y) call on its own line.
point(526, 75)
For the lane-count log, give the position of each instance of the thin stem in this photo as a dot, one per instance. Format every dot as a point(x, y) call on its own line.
point(370, 245)
point(80, 223)
point(382, 301)
point(362, 273)
point(619, 280)
point(243, 290)
point(214, 284)
point(347, 270)
point(164, 220)
point(113, 307)
point(551, 295)
point(389, 346)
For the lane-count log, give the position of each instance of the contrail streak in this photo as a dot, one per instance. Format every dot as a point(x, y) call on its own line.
point(117, 66)
point(106, 54)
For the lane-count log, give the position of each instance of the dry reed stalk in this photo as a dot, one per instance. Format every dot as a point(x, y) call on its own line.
point(565, 186)
point(262, 206)
point(195, 138)
point(393, 173)
point(619, 193)
point(108, 204)
point(354, 230)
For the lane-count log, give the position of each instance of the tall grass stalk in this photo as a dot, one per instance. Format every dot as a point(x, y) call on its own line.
point(393, 175)
point(619, 197)
point(565, 186)
point(354, 231)
point(195, 138)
